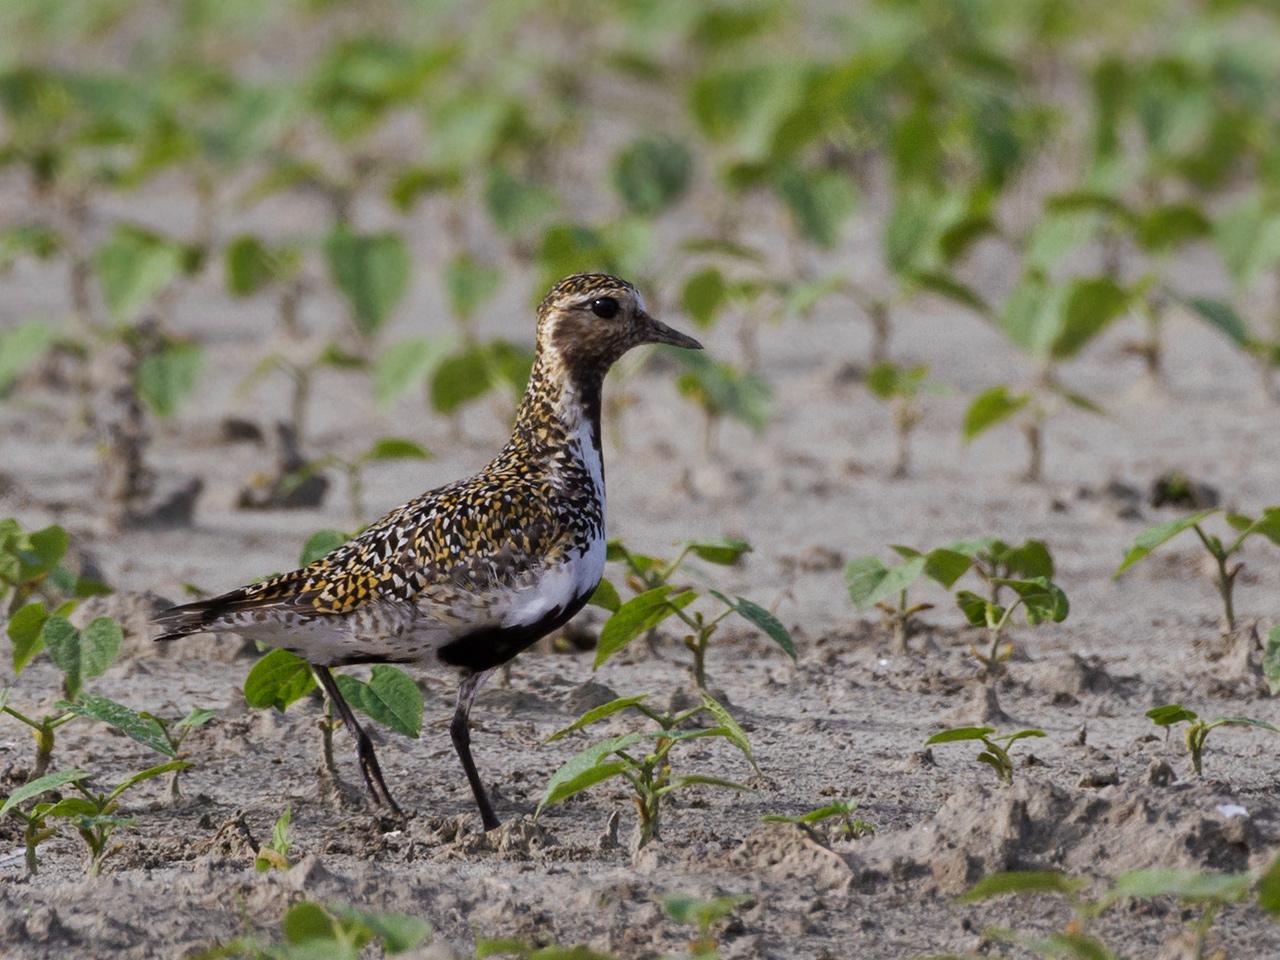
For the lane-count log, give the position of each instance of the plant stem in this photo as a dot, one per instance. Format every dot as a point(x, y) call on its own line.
point(1225, 578)
point(30, 837)
point(878, 312)
point(326, 734)
point(1035, 450)
point(900, 625)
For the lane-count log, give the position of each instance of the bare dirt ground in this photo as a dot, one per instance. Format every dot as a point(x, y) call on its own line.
point(848, 720)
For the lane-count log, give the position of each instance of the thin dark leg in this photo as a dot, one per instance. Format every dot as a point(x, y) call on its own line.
point(364, 746)
point(460, 731)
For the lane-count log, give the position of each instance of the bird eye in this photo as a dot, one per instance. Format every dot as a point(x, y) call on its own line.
point(606, 308)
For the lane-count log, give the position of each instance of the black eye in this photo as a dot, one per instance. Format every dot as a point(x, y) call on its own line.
point(606, 308)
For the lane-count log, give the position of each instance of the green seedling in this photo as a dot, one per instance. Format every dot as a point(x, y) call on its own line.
point(995, 751)
point(902, 388)
point(872, 583)
point(163, 735)
point(1210, 893)
point(724, 392)
point(381, 451)
point(1171, 714)
point(1222, 551)
point(657, 599)
point(253, 265)
point(641, 758)
point(275, 855)
point(311, 931)
point(301, 373)
point(33, 575)
point(389, 697)
point(839, 813)
point(36, 829)
point(705, 914)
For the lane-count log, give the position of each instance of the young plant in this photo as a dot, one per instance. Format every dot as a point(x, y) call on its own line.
point(162, 735)
point(1222, 551)
point(33, 575)
point(724, 392)
point(275, 855)
point(902, 389)
point(839, 813)
point(1209, 892)
point(873, 584)
point(658, 599)
point(1171, 714)
point(705, 914)
point(382, 451)
point(641, 758)
point(334, 932)
point(36, 829)
point(301, 372)
point(995, 751)
point(79, 654)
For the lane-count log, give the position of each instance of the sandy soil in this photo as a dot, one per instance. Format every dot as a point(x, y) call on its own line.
point(848, 720)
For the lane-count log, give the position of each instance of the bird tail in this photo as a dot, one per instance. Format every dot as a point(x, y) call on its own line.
point(202, 615)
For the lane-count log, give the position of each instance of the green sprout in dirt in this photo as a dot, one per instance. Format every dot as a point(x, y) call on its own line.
point(163, 735)
point(1205, 894)
point(79, 654)
point(839, 814)
point(1026, 571)
point(33, 575)
point(389, 697)
point(723, 392)
point(381, 451)
point(995, 752)
point(658, 599)
point(275, 855)
point(1222, 551)
point(332, 932)
point(301, 374)
point(705, 914)
point(642, 758)
point(873, 584)
point(36, 828)
point(1171, 714)
point(902, 388)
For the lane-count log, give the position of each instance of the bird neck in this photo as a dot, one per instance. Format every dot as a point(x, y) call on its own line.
point(561, 408)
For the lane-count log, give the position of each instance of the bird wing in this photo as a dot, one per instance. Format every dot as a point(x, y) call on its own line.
point(452, 554)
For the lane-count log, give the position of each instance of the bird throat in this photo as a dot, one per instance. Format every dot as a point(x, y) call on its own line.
point(561, 412)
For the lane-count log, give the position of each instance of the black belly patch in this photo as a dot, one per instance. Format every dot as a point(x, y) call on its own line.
point(494, 646)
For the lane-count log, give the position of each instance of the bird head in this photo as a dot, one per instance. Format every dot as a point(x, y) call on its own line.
point(589, 320)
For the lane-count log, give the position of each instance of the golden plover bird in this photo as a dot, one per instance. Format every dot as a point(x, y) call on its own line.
point(471, 573)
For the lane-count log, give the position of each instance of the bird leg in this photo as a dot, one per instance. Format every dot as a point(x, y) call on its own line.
point(460, 732)
point(364, 746)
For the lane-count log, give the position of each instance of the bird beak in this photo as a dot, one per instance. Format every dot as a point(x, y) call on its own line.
point(655, 331)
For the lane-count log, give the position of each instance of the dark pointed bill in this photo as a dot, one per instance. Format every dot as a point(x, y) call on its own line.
point(655, 331)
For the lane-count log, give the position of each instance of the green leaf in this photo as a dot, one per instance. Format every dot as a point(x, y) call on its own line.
point(758, 616)
point(277, 680)
point(949, 288)
point(957, 734)
point(1091, 304)
point(144, 730)
point(723, 390)
point(587, 768)
point(946, 566)
point(25, 634)
point(1157, 536)
point(1022, 881)
point(251, 265)
point(307, 921)
point(651, 174)
point(372, 271)
point(1171, 713)
point(395, 448)
point(605, 596)
point(703, 295)
point(725, 551)
point(639, 614)
point(1270, 660)
point(729, 727)
point(1042, 599)
point(390, 697)
point(459, 379)
point(470, 284)
point(1184, 884)
point(148, 774)
point(990, 408)
point(596, 714)
point(870, 581)
point(685, 909)
point(81, 655)
point(518, 207)
point(820, 202)
point(133, 266)
point(397, 932)
point(1268, 889)
point(979, 611)
point(164, 379)
point(319, 544)
point(20, 347)
point(1170, 226)
point(405, 365)
point(50, 781)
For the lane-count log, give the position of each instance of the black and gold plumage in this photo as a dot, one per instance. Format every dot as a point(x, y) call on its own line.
point(471, 573)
